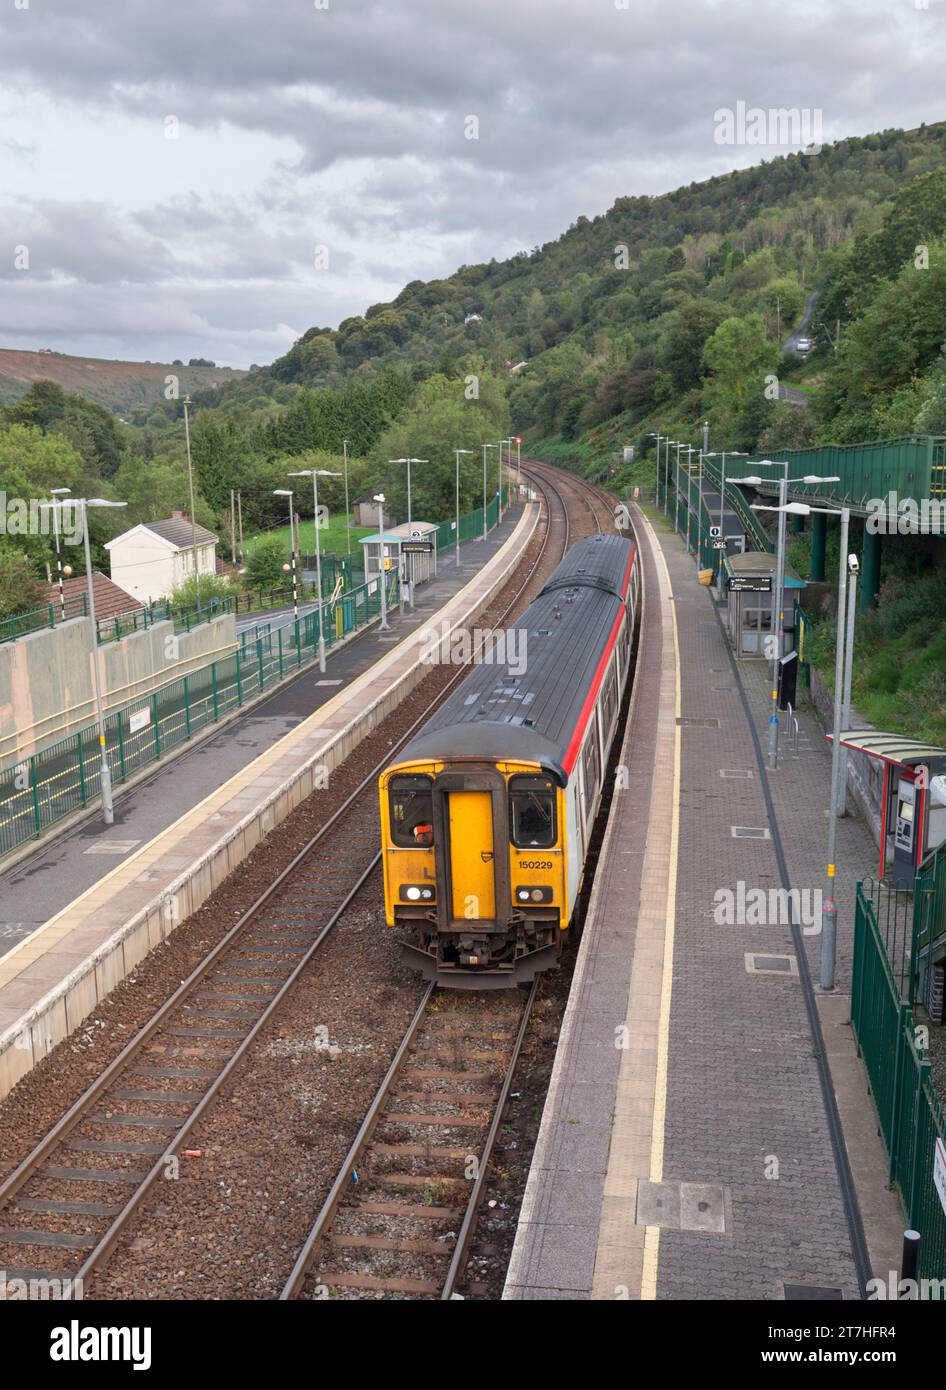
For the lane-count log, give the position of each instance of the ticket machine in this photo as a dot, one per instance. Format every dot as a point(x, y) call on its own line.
point(912, 800)
point(905, 827)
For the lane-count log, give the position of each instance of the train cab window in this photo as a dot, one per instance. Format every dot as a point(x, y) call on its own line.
point(532, 812)
point(412, 819)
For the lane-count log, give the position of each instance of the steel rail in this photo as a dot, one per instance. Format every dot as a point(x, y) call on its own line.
point(29, 1165)
point(465, 1233)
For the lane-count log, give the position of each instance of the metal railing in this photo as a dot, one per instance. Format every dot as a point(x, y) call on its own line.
point(910, 1115)
point(63, 778)
point(929, 919)
point(35, 619)
point(913, 467)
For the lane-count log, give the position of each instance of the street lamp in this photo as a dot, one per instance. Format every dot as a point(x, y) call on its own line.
point(508, 443)
point(84, 503)
point(519, 459)
point(190, 490)
point(287, 492)
point(829, 911)
point(691, 450)
point(723, 456)
point(458, 452)
point(410, 558)
point(379, 498)
point(58, 492)
point(669, 443)
point(347, 515)
point(776, 625)
point(655, 434)
point(485, 447)
point(315, 474)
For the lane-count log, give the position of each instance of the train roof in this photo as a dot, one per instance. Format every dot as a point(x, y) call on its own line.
point(598, 561)
point(527, 702)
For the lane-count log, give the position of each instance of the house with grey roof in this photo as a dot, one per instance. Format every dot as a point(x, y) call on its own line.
point(152, 559)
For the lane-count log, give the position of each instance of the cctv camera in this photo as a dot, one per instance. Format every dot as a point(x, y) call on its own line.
point(852, 564)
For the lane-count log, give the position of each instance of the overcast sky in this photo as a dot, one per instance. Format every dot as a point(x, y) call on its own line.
point(343, 124)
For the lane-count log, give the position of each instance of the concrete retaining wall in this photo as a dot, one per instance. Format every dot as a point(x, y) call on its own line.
point(46, 687)
point(63, 1008)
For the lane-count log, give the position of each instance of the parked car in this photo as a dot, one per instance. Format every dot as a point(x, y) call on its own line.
point(804, 344)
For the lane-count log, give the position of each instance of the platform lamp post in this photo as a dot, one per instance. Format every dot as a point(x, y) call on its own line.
point(777, 620)
point(347, 516)
point(379, 498)
point(84, 503)
point(315, 474)
point(829, 911)
point(655, 434)
point(670, 443)
point(410, 558)
point(723, 455)
point(288, 492)
point(458, 452)
point(190, 491)
point(691, 450)
point(508, 444)
point(55, 493)
point(519, 459)
point(485, 447)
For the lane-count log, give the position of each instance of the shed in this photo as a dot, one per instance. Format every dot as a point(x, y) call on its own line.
point(750, 579)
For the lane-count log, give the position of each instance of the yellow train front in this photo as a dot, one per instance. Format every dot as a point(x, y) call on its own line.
point(486, 816)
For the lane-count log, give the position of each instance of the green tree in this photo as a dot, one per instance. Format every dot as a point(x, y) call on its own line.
point(264, 564)
point(20, 589)
point(737, 357)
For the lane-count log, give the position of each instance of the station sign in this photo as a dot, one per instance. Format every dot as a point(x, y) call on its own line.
point(715, 532)
point(719, 545)
point(755, 583)
point(939, 1171)
point(139, 719)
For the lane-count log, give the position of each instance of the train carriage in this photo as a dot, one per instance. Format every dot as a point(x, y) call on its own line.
point(486, 815)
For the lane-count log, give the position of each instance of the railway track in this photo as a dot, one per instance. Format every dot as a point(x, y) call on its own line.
point(402, 1210)
point(68, 1202)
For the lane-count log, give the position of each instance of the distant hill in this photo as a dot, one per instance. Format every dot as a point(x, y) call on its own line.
point(119, 386)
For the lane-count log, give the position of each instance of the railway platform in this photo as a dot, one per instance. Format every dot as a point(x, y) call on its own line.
point(77, 923)
point(707, 1132)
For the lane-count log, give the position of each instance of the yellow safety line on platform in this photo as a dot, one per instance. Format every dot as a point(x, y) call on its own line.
point(652, 1233)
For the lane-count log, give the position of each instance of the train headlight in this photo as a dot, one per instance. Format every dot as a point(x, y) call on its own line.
point(418, 892)
point(533, 895)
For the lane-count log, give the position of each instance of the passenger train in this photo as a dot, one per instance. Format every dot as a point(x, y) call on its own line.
point(486, 815)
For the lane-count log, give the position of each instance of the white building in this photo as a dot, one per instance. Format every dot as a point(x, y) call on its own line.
point(154, 558)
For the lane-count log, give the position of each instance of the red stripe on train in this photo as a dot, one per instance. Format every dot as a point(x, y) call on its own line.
point(571, 752)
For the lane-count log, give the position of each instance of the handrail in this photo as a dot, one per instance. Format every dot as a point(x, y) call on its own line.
point(737, 501)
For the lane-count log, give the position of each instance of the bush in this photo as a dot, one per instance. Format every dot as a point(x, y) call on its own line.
point(264, 565)
point(20, 590)
point(198, 591)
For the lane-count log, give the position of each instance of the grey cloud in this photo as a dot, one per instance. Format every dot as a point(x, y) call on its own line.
point(578, 101)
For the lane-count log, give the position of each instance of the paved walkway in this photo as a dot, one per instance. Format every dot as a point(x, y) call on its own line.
point(687, 1147)
point(44, 883)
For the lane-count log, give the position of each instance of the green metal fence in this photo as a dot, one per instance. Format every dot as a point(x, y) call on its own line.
point(914, 467)
point(471, 524)
point(65, 777)
point(35, 619)
point(929, 920)
point(910, 1115)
